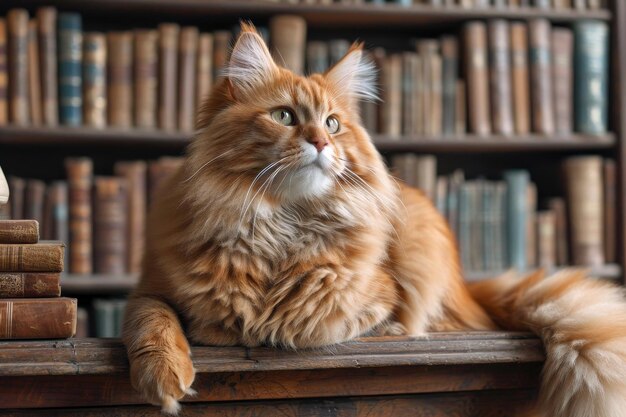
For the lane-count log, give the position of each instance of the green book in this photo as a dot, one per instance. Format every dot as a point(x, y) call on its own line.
point(105, 318)
point(517, 219)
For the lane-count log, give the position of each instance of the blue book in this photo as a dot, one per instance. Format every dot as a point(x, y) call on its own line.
point(591, 74)
point(70, 50)
point(517, 219)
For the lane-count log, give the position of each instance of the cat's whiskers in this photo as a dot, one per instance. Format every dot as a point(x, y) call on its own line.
point(265, 188)
point(207, 163)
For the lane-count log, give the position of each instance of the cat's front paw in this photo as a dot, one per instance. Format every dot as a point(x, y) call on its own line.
point(163, 376)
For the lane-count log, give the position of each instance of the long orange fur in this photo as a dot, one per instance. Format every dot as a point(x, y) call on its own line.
point(261, 240)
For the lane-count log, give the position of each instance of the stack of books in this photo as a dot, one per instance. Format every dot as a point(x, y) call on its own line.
point(30, 273)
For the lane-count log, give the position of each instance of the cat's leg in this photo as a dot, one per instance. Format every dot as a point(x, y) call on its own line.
point(158, 352)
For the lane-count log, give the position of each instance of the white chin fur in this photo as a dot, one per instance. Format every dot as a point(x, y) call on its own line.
point(307, 182)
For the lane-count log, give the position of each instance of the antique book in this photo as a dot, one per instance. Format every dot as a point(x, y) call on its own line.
point(541, 76)
point(187, 61)
point(585, 204)
point(610, 210)
point(109, 224)
point(79, 178)
point(70, 56)
point(168, 75)
point(42, 318)
point(17, 187)
point(430, 107)
point(34, 76)
point(420, 98)
point(500, 245)
point(500, 77)
point(204, 76)
point(34, 196)
point(562, 78)
point(19, 231)
point(47, 31)
point(486, 194)
point(391, 111)
point(591, 76)
point(95, 79)
point(159, 171)
point(4, 75)
point(135, 173)
point(29, 284)
point(120, 79)
point(449, 75)
point(464, 224)
point(82, 323)
point(531, 226)
point(17, 29)
point(454, 183)
point(477, 79)
point(146, 60)
point(56, 212)
point(317, 57)
point(460, 110)
point(476, 227)
point(426, 175)
point(519, 77)
point(546, 239)
point(45, 256)
point(410, 61)
point(557, 206)
point(288, 34)
point(517, 219)
point(221, 48)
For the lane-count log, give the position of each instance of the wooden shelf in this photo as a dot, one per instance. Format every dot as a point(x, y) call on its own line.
point(83, 136)
point(332, 15)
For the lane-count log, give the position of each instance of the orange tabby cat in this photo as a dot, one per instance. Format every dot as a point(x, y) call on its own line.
point(284, 228)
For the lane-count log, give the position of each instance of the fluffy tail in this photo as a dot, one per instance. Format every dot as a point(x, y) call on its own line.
point(583, 326)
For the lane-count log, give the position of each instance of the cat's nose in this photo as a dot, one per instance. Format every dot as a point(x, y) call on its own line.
point(318, 142)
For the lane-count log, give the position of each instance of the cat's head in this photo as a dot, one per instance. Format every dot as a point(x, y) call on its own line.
point(287, 136)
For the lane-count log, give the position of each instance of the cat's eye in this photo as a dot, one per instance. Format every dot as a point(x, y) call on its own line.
point(332, 125)
point(284, 116)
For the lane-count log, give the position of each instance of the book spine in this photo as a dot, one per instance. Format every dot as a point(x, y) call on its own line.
point(47, 30)
point(460, 124)
point(464, 225)
point(546, 239)
point(391, 112)
point(35, 319)
point(562, 69)
point(4, 75)
point(79, 176)
point(110, 215)
point(531, 226)
point(120, 78)
point(31, 258)
point(317, 57)
point(34, 80)
point(288, 34)
point(409, 61)
point(135, 174)
point(146, 78)
point(426, 172)
point(500, 226)
point(436, 90)
point(221, 49)
point(450, 69)
point(187, 61)
point(70, 50)
point(500, 77)
point(476, 227)
point(540, 76)
point(168, 74)
point(17, 24)
point(591, 77)
point(57, 219)
point(477, 78)
point(420, 100)
point(94, 79)
point(29, 285)
point(585, 201)
point(610, 214)
point(557, 206)
point(17, 187)
point(516, 214)
point(519, 77)
point(19, 231)
point(204, 76)
point(158, 173)
point(33, 200)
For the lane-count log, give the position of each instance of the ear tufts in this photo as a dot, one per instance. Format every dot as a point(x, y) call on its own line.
point(355, 74)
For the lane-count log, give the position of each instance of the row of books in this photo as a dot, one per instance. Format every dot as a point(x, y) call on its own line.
point(31, 306)
point(543, 4)
point(517, 78)
point(501, 224)
point(102, 217)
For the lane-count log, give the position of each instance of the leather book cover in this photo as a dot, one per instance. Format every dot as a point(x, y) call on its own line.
point(187, 61)
point(34, 196)
point(120, 79)
point(562, 78)
point(34, 75)
point(42, 318)
point(168, 75)
point(477, 78)
point(520, 77)
point(541, 76)
point(610, 211)
point(288, 35)
point(204, 76)
point(557, 206)
point(110, 225)
point(45, 256)
point(500, 77)
point(17, 25)
point(95, 79)
point(146, 66)
point(79, 178)
point(47, 32)
point(29, 284)
point(17, 186)
point(19, 231)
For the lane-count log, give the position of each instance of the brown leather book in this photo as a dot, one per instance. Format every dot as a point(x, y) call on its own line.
point(168, 75)
point(34, 80)
point(158, 173)
point(29, 284)
point(477, 78)
point(221, 51)
point(120, 78)
point(460, 111)
point(187, 61)
point(34, 196)
point(95, 79)
point(541, 76)
point(45, 256)
point(531, 227)
point(585, 203)
point(79, 178)
point(42, 318)
point(109, 223)
point(135, 173)
point(82, 323)
point(204, 75)
point(562, 78)
point(17, 24)
point(17, 186)
point(19, 231)
point(391, 84)
point(500, 77)
point(557, 206)
point(546, 239)
point(288, 34)
point(4, 75)
point(430, 107)
point(47, 30)
point(520, 78)
point(610, 211)
point(146, 80)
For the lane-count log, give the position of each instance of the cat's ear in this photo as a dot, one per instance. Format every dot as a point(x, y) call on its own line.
point(250, 63)
point(354, 74)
